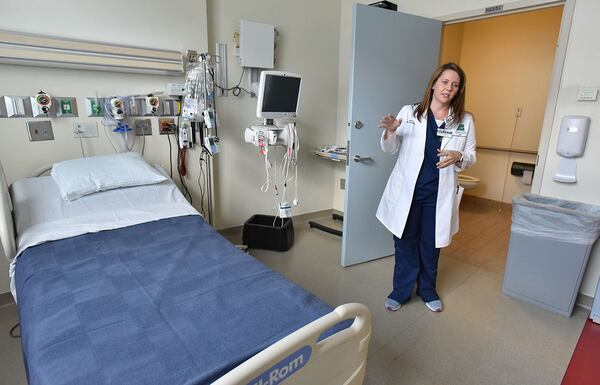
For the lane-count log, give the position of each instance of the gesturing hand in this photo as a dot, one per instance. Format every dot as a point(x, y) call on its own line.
point(390, 123)
point(448, 158)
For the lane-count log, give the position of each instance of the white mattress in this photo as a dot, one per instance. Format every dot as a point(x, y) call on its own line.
point(41, 215)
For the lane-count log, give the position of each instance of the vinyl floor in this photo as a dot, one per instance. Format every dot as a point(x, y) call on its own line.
point(481, 338)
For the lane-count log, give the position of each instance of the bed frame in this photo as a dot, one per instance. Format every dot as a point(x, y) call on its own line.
point(299, 358)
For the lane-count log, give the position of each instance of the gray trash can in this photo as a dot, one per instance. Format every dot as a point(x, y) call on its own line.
point(550, 242)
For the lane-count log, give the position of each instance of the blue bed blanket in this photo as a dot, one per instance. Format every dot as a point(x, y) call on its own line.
point(165, 302)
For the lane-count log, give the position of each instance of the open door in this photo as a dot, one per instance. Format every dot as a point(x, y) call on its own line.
point(393, 56)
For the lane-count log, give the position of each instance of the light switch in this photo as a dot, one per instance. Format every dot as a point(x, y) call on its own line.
point(587, 94)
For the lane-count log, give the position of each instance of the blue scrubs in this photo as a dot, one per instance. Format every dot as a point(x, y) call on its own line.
point(415, 253)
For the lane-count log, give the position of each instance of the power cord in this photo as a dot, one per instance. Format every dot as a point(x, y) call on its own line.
point(170, 155)
point(12, 331)
point(236, 90)
point(185, 188)
point(202, 180)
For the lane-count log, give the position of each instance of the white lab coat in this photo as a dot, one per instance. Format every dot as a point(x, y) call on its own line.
point(409, 138)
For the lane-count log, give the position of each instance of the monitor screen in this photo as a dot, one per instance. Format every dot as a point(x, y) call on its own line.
point(278, 95)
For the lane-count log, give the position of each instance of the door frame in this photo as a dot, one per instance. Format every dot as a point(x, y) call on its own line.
point(557, 67)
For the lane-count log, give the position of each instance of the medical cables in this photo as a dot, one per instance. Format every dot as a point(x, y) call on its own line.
point(288, 168)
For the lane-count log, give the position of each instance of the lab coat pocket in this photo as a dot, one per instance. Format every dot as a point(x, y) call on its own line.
point(457, 143)
point(455, 207)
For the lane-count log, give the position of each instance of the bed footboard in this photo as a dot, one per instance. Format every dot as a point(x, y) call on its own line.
point(298, 359)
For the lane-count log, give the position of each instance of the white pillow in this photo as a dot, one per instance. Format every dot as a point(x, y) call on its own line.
point(79, 177)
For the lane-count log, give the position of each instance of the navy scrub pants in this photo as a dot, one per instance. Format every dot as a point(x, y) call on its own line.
point(416, 256)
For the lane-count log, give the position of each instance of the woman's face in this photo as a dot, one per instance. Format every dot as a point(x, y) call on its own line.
point(446, 87)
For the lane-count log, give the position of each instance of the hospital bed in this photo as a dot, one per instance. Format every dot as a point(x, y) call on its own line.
point(132, 286)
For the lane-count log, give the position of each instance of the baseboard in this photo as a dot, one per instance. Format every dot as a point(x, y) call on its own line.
point(6, 299)
point(585, 301)
point(297, 218)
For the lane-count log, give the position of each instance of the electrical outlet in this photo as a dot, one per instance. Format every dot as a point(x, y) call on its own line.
point(39, 131)
point(167, 126)
point(142, 127)
point(85, 130)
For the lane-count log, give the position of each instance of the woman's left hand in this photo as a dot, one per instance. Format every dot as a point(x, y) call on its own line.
point(448, 158)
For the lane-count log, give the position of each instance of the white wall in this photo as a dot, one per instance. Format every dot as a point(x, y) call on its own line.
point(580, 69)
point(307, 45)
point(150, 25)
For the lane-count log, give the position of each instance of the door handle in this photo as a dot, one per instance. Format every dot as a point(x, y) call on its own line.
point(358, 158)
point(358, 124)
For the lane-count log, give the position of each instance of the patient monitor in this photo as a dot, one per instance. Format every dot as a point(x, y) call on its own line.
point(278, 98)
point(277, 105)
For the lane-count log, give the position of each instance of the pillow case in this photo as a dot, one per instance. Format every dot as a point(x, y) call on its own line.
point(84, 176)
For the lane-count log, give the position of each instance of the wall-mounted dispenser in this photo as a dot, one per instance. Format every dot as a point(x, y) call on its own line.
point(571, 143)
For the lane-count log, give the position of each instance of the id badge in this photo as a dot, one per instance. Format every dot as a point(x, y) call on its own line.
point(445, 132)
point(460, 131)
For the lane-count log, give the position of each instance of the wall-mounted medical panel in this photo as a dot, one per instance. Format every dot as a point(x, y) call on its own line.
point(137, 106)
point(94, 107)
point(168, 107)
point(144, 106)
point(64, 107)
point(15, 107)
point(38, 111)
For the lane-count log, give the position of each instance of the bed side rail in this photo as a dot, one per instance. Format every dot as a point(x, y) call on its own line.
point(298, 359)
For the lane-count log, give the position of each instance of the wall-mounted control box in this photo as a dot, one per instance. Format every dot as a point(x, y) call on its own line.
point(40, 130)
point(167, 126)
point(257, 45)
point(142, 127)
point(175, 89)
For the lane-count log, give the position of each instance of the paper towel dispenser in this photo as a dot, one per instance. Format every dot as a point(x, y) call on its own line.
point(571, 143)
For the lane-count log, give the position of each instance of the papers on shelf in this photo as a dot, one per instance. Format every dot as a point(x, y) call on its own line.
point(336, 153)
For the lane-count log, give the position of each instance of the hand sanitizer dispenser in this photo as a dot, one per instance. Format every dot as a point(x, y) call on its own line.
point(571, 143)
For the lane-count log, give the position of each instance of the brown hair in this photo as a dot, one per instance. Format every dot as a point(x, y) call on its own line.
point(458, 102)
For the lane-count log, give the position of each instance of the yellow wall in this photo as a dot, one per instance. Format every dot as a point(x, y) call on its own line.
point(452, 41)
point(508, 61)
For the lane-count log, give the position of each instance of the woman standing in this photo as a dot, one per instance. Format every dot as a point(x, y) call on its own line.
point(436, 139)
